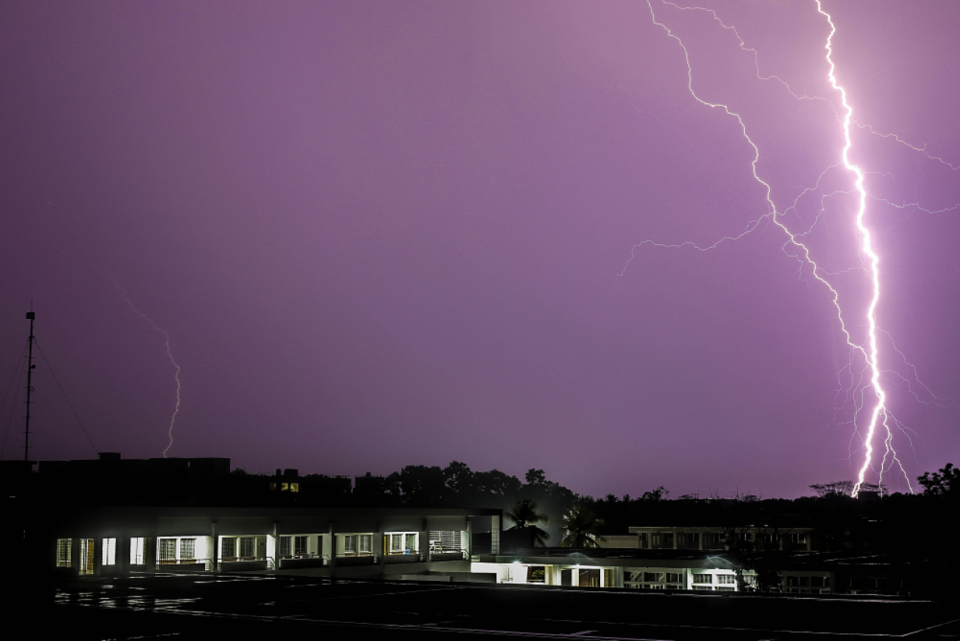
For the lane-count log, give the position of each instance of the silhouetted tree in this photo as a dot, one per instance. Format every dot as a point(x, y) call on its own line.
point(580, 525)
point(535, 477)
point(459, 478)
point(422, 486)
point(497, 483)
point(844, 488)
point(944, 482)
point(659, 494)
point(524, 514)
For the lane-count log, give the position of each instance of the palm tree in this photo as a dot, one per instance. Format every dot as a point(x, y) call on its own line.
point(579, 524)
point(524, 514)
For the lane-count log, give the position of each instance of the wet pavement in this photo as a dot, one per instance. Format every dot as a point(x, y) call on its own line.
point(192, 606)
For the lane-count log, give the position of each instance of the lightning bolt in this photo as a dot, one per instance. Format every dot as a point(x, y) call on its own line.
point(176, 374)
point(869, 395)
point(880, 412)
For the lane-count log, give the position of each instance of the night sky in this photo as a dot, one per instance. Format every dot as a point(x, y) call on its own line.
point(382, 234)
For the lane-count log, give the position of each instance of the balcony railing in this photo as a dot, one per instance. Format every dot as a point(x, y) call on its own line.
point(184, 565)
point(402, 557)
point(303, 561)
point(243, 563)
point(363, 558)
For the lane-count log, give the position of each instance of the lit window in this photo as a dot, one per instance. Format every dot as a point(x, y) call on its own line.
point(87, 548)
point(726, 579)
point(402, 543)
point(136, 550)
point(293, 547)
point(167, 550)
point(300, 546)
point(188, 549)
point(446, 540)
point(63, 552)
point(228, 549)
point(703, 578)
point(357, 544)
point(536, 574)
point(108, 554)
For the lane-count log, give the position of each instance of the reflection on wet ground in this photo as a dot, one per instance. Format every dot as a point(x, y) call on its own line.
point(190, 606)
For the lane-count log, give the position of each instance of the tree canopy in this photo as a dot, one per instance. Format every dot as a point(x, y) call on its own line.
point(944, 482)
point(524, 514)
point(580, 525)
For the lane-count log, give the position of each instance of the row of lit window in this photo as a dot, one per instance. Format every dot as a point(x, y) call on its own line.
point(248, 547)
point(656, 577)
point(108, 551)
point(722, 579)
point(715, 538)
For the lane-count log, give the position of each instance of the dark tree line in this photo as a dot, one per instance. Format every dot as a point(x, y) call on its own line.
point(876, 521)
point(456, 485)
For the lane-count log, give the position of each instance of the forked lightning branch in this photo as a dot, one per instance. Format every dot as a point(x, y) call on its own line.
point(873, 421)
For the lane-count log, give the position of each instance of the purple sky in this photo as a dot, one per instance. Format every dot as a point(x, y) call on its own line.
point(391, 233)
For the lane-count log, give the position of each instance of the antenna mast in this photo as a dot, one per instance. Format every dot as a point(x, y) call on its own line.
point(26, 439)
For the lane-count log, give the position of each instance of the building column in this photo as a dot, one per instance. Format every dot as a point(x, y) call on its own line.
point(215, 554)
point(469, 545)
point(382, 542)
point(123, 555)
point(423, 541)
point(97, 543)
point(273, 549)
point(332, 535)
point(150, 553)
point(75, 560)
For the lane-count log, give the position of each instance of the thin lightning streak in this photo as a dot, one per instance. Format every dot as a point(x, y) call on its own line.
point(916, 376)
point(176, 374)
point(918, 206)
point(922, 150)
point(753, 52)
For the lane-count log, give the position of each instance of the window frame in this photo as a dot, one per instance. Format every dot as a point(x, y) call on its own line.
point(108, 551)
point(64, 553)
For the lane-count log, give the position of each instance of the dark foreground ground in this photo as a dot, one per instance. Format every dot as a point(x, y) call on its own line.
point(203, 607)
